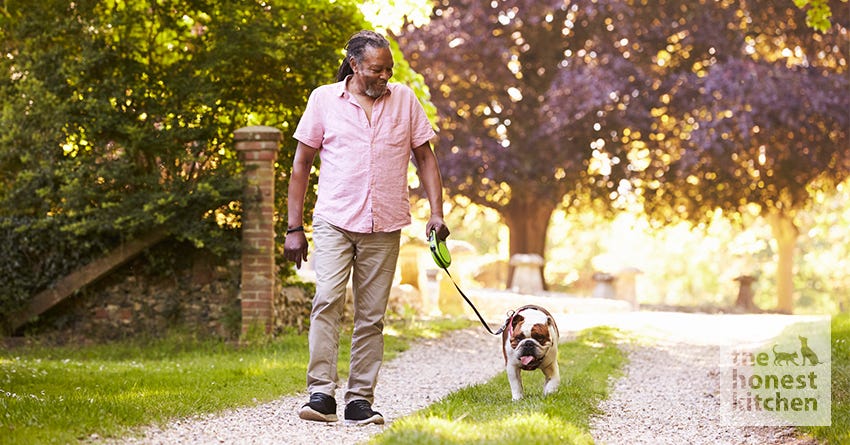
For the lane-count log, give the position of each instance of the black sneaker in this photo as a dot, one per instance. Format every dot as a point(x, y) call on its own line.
point(359, 412)
point(321, 408)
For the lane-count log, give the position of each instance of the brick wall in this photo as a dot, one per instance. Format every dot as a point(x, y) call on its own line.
point(257, 147)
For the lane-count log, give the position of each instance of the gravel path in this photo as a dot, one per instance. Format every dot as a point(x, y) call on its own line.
point(671, 391)
point(671, 395)
point(428, 371)
point(668, 395)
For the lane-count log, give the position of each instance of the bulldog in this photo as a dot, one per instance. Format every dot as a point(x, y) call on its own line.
point(529, 342)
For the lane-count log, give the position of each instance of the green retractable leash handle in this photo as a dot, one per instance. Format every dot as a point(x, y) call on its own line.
point(441, 255)
point(439, 251)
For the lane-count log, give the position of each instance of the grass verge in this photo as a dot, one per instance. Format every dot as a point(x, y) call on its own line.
point(485, 414)
point(839, 431)
point(63, 394)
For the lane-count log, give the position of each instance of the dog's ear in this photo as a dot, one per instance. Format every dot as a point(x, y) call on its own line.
point(516, 319)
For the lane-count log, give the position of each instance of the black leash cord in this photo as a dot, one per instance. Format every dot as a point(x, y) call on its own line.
point(486, 326)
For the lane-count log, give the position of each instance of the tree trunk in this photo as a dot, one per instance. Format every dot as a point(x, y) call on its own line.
point(527, 220)
point(785, 232)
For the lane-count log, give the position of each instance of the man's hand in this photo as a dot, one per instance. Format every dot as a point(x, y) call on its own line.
point(295, 248)
point(437, 224)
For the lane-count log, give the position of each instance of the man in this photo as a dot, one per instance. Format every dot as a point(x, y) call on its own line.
point(364, 130)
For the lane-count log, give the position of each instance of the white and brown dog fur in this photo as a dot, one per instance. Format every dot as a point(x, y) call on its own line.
point(529, 342)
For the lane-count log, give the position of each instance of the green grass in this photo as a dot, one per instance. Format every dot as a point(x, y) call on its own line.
point(63, 394)
point(485, 413)
point(839, 431)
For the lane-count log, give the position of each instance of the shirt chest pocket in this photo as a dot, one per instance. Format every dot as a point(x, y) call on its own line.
point(396, 133)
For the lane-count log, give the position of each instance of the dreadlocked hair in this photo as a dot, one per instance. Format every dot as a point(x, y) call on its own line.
point(356, 47)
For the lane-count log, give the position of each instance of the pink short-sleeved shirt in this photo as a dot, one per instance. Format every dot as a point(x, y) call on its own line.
point(363, 172)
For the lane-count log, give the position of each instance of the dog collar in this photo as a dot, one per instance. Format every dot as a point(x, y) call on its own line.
point(439, 250)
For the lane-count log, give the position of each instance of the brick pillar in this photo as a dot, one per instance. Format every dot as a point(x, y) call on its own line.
point(257, 147)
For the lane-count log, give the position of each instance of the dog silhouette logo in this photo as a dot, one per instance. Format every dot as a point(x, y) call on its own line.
point(785, 358)
point(806, 352)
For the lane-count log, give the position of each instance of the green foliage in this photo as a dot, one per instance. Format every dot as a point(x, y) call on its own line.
point(118, 118)
point(33, 258)
point(818, 14)
point(484, 413)
point(839, 431)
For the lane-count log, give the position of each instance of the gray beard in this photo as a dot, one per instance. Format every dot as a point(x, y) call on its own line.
point(374, 92)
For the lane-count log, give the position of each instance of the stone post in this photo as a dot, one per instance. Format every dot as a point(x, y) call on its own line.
point(627, 285)
point(528, 273)
point(604, 285)
point(746, 294)
point(257, 147)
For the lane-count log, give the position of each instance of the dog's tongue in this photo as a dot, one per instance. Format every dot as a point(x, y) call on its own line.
point(526, 359)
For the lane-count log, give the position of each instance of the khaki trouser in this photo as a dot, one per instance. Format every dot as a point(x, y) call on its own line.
point(370, 259)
